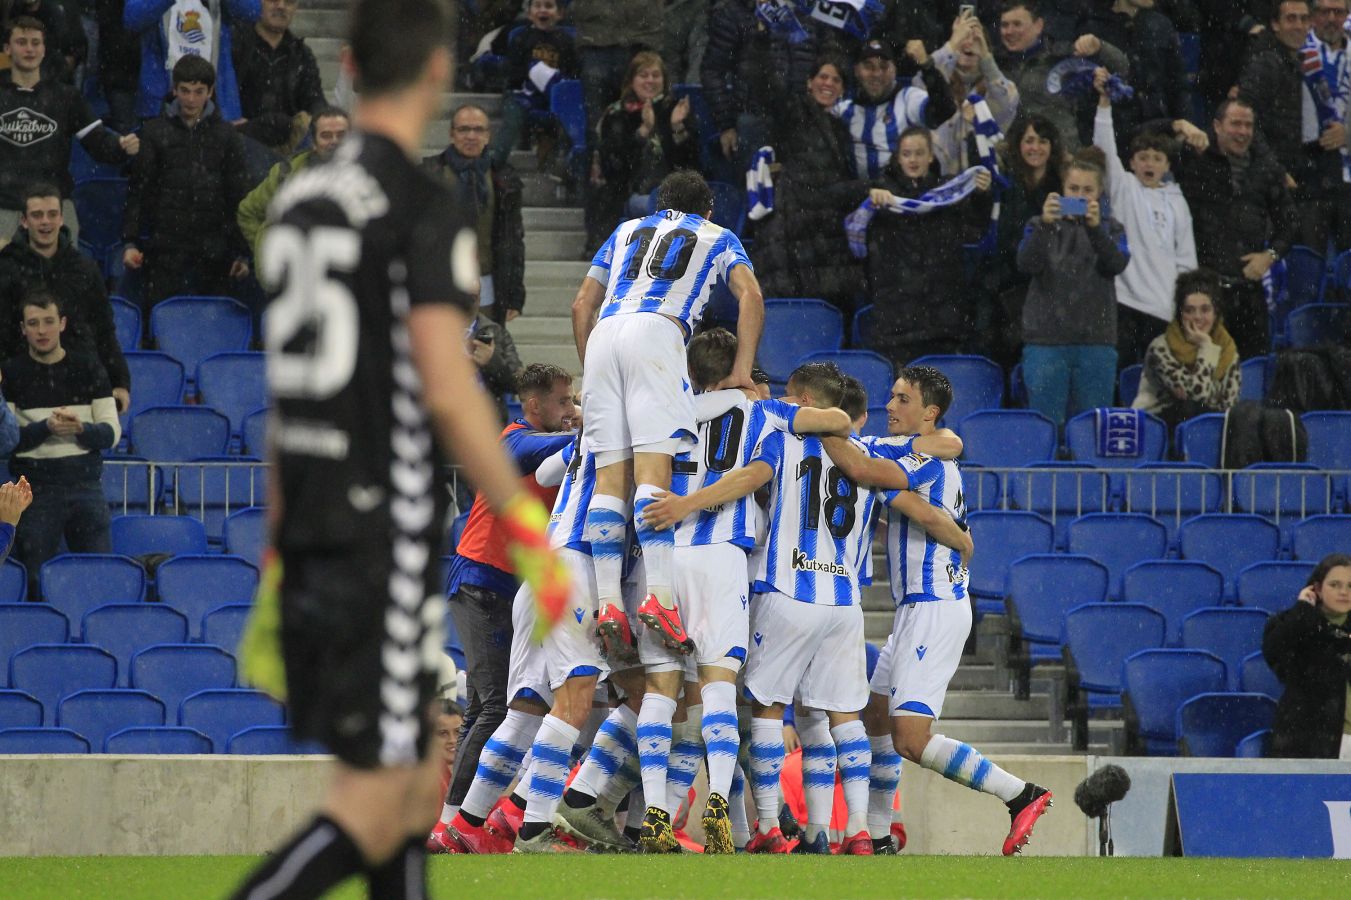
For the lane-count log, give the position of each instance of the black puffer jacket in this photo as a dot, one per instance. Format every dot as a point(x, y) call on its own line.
point(1157, 72)
point(1274, 84)
point(75, 279)
point(744, 62)
point(274, 85)
point(186, 184)
point(1312, 658)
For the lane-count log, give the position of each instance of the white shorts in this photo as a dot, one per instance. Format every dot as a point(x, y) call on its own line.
point(812, 651)
point(710, 590)
point(921, 656)
point(571, 648)
point(636, 386)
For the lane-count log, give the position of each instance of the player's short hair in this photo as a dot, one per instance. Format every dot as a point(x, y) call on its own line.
point(934, 387)
point(759, 376)
point(854, 398)
point(539, 378)
point(25, 23)
point(39, 189)
point(193, 70)
point(328, 111)
point(710, 357)
point(392, 40)
point(685, 191)
point(824, 380)
point(41, 297)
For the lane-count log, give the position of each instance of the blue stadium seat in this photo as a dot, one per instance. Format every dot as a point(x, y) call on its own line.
point(19, 710)
point(211, 491)
point(1003, 536)
point(1163, 491)
point(1118, 541)
point(220, 714)
point(1199, 437)
point(977, 383)
point(566, 102)
point(876, 426)
point(982, 488)
point(224, 625)
point(41, 740)
point(1128, 384)
point(192, 328)
point(96, 714)
point(1286, 492)
point(255, 433)
point(168, 433)
point(1230, 543)
point(1256, 677)
point(141, 535)
point(99, 204)
point(174, 672)
point(75, 583)
point(234, 384)
point(873, 369)
point(1156, 683)
point(51, 671)
point(244, 533)
point(127, 485)
point(1007, 437)
point(125, 628)
point(1253, 378)
point(1175, 587)
point(1254, 746)
point(1060, 491)
point(1229, 633)
point(127, 322)
point(799, 327)
point(1329, 438)
point(1305, 275)
point(170, 739)
point(1190, 42)
point(861, 326)
point(158, 378)
point(1081, 434)
point(1097, 638)
point(1318, 536)
point(263, 740)
point(1213, 723)
point(1273, 585)
point(22, 624)
point(13, 582)
point(1308, 326)
point(1041, 588)
point(729, 206)
point(196, 584)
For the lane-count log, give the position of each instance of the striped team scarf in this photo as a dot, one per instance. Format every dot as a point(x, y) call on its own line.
point(1074, 76)
point(988, 137)
point(949, 193)
point(780, 18)
point(853, 17)
point(760, 185)
point(1274, 285)
point(1321, 79)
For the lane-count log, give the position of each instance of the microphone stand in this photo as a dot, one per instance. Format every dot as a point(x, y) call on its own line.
point(1106, 847)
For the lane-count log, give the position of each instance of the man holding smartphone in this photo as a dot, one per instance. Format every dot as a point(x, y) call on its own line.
point(494, 352)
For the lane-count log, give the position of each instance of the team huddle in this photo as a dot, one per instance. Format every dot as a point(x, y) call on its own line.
point(717, 542)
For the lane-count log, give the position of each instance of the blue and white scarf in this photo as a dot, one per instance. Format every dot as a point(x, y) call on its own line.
point(780, 18)
point(1120, 432)
point(949, 193)
point(1321, 77)
point(853, 17)
point(988, 137)
point(760, 185)
point(1274, 285)
point(1074, 77)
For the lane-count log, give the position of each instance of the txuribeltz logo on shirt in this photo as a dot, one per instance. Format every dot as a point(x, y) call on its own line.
point(803, 563)
point(23, 127)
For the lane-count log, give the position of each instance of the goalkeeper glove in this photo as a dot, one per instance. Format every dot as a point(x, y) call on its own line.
point(260, 658)
point(536, 563)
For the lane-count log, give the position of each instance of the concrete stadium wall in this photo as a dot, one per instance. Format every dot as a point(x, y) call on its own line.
point(103, 805)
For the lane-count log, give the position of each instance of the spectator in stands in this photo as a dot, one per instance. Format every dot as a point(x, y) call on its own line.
point(915, 267)
point(1329, 25)
point(15, 496)
point(495, 190)
point(1273, 83)
point(685, 39)
point(185, 189)
point(643, 137)
point(1193, 367)
point(494, 352)
point(64, 31)
point(1242, 216)
point(801, 250)
point(328, 129)
point(1309, 648)
point(119, 65)
point(279, 87)
point(39, 117)
point(1027, 56)
point(1158, 226)
point(43, 256)
point(969, 66)
point(884, 106)
point(1031, 157)
point(608, 34)
point(67, 418)
point(536, 56)
point(1069, 319)
point(173, 29)
point(1226, 29)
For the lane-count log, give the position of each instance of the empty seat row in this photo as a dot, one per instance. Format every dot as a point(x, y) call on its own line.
point(160, 427)
point(189, 329)
point(119, 629)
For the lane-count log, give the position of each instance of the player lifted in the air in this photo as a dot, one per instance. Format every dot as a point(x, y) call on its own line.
point(650, 283)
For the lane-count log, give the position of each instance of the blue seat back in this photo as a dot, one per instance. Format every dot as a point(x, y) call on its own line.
point(96, 714)
point(169, 433)
point(192, 328)
point(1118, 541)
point(729, 206)
point(1253, 378)
point(873, 369)
point(1305, 275)
point(860, 329)
point(51, 671)
point(245, 532)
point(1046, 586)
point(1128, 384)
point(795, 328)
point(255, 433)
point(1007, 437)
point(1212, 724)
point(981, 488)
point(127, 323)
point(100, 203)
point(158, 378)
point(173, 672)
point(1170, 490)
point(234, 384)
point(19, 709)
point(41, 740)
point(209, 491)
point(1004, 537)
point(138, 535)
point(125, 628)
point(1310, 325)
point(1081, 434)
point(197, 584)
point(876, 426)
point(1319, 536)
point(1102, 635)
point(221, 714)
point(132, 485)
point(1160, 681)
point(1229, 633)
point(170, 739)
point(1254, 746)
point(1199, 437)
point(22, 624)
point(1329, 438)
point(1174, 587)
point(75, 583)
point(1256, 677)
point(1282, 490)
point(263, 740)
point(13, 582)
point(1229, 543)
point(1273, 586)
point(224, 625)
point(1060, 491)
point(977, 383)
point(567, 104)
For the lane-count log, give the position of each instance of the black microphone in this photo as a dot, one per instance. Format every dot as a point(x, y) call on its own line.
point(1095, 796)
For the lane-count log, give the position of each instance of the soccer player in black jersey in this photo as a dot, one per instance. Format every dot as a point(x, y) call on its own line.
point(371, 267)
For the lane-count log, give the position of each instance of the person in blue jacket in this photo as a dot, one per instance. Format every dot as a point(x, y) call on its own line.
point(170, 29)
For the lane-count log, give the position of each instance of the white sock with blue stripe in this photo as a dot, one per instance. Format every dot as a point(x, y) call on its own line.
point(553, 760)
point(964, 764)
point(617, 788)
point(607, 522)
point(721, 739)
point(687, 749)
point(736, 809)
point(614, 744)
point(856, 758)
point(766, 766)
point(883, 776)
point(658, 546)
point(654, 746)
point(818, 770)
point(500, 760)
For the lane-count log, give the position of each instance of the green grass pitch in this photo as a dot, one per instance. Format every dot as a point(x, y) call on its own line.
point(562, 878)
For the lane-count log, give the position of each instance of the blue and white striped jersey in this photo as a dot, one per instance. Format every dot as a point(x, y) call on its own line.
point(726, 443)
point(567, 523)
point(665, 263)
point(921, 568)
point(820, 523)
point(876, 128)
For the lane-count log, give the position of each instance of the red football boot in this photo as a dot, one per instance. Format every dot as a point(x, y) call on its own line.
point(860, 844)
point(1024, 811)
point(666, 623)
point(475, 838)
point(771, 842)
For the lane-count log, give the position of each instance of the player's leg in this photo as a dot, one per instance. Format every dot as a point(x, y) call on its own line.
point(607, 520)
point(884, 775)
point(687, 749)
point(818, 777)
point(736, 810)
point(500, 762)
point(552, 752)
point(652, 475)
point(582, 814)
point(655, 726)
point(722, 743)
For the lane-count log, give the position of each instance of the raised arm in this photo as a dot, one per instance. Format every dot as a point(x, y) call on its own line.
point(936, 523)
point(862, 469)
point(584, 306)
point(750, 322)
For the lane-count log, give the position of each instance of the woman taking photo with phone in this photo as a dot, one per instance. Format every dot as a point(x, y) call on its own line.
point(1309, 648)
